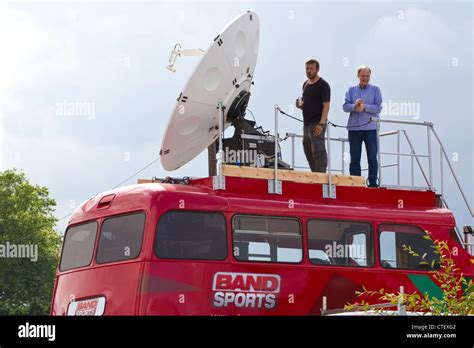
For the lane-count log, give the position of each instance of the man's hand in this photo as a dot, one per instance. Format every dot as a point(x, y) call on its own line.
point(359, 106)
point(299, 103)
point(317, 130)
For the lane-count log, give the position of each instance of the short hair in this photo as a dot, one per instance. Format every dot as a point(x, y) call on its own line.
point(363, 67)
point(313, 61)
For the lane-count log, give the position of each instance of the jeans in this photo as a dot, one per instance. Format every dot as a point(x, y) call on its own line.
point(369, 137)
point(315, 149)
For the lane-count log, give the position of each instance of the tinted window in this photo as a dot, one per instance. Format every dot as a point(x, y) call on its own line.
point(78, 246)
point(264, 238)
point(191, 235)
point(393, 238)
point(121, 238)
point(342, 243)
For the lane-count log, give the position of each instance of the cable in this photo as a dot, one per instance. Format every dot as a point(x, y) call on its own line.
point(251, 113)
point(329, 122)
point(122, 182)
point(138, 172)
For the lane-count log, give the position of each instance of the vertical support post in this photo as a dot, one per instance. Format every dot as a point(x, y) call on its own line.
point(343, 150)
point(430, 162)
point(379, 157)
point(412, 160)
point(218, 181)
point(328, 135)
point(221, 131)
point(275, 186)
point(398, 157)
point(466, 243)
point(325, 305)
point(441, 171)
point(400, 306)
point(293, 152)
point(276, 149)
point(329, 190)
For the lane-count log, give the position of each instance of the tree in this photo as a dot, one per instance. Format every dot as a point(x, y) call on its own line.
point(26, 223)
point(457, 291)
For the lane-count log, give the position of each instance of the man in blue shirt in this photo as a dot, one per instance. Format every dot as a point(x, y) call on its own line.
point(363, 101)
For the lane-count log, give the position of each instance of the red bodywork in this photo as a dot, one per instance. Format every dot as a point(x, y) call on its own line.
point(148, 285)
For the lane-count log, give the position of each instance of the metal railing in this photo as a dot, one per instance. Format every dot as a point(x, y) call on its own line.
point(401, 308)
point(412, 154)
point(274, 186)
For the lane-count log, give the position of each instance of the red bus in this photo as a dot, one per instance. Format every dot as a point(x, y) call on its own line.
point(187, 249)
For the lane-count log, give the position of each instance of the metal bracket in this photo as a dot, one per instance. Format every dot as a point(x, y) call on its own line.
point(329, 191)
point(180, 52)
point(271, 187)
point(218, 182)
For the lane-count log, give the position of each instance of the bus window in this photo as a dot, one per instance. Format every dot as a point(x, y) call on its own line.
point(265, 238)
point(191, 235)
point(121, 238)
point(78, 246)
point(342, 243)
point(392, 241)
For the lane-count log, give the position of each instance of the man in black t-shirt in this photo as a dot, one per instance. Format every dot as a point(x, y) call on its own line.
point(315, 105)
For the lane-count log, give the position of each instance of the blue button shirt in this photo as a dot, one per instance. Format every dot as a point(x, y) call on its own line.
point(372, 98)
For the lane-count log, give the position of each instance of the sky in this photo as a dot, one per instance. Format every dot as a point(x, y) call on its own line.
point(107, 60)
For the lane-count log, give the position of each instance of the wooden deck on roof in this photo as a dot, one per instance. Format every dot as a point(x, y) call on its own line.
point(284, 175)
point(292, 175)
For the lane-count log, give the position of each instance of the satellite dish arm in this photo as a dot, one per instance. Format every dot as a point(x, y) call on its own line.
point(179, 52)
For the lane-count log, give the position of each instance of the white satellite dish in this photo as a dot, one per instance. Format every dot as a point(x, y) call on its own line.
point(224, 74)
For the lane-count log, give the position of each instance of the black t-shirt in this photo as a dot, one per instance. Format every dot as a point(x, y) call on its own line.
point(313, 96)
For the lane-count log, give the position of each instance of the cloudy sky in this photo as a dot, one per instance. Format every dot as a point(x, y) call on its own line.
point(109, 58)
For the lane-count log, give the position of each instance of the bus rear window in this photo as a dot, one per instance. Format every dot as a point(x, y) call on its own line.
point(78, 246)
point(121, 238)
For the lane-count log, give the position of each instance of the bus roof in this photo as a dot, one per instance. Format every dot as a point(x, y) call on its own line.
point(248, 194)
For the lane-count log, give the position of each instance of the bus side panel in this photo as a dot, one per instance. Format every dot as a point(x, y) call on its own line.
point(292, 296)
point(338, 285)
point(180, 287)
point(117, 283)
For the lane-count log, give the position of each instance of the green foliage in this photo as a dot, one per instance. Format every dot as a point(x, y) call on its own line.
point(457, 291)
point(26, 218)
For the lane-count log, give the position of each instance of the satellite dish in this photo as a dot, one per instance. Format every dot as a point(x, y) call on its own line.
point(224, 74)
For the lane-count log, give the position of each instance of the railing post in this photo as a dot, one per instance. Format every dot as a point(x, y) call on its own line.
point(441, 171)
point(328, 133)
point(412, 159)
point(218, 181)
point(401, 306)
point(275, 186)
point(325, 305)
point(430, 163)
point(342, 157)
point(293, 152)
point(398, 157)
point(379, 157)
point(276, 150)
point(331, 191)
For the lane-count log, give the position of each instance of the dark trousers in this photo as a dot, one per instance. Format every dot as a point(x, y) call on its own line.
point(369, 138)
point(315, 149)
